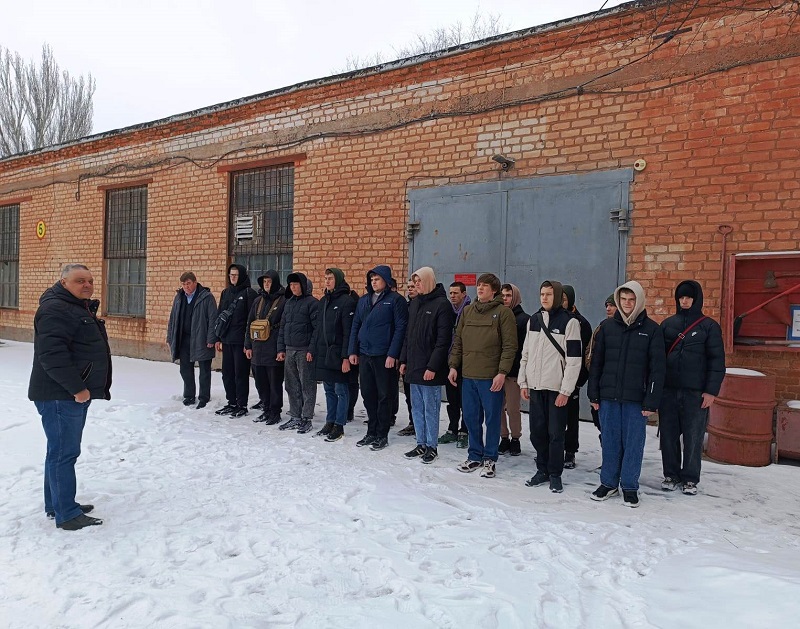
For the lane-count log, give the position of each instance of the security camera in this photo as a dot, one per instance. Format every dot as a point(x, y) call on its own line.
point(505, 162)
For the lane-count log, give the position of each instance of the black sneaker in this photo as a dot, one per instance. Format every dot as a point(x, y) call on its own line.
point(326, 430)
point(555, 484)
point(188, 401)
point(51, 515)
point(367, 440)
point(515, 449)
point(77, 523)
point(540, 478)
point(336, 433)
point(431, 454)
point(201, 404)
point(260, 418)
point(408, 431)
point(272, 419)
point(630, 497)
point(226, 410)
point(505, 446)
point(289, 424)
point(604, 493)
point(258, 406)
point(417, 451)
point(304, 426)
point(569, 460)
point(239, 411)
point(379, 444)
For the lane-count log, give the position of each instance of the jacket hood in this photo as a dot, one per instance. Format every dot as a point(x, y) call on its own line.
point(244, 278)
point(467, 301)
point(338, 274)
point(569, 291)
point(516, 296)
point(558, 293)
point(640, 301)
point(484, 307)
point(301, 279)
point(427, 279)
point(437, 292)
point(385, 271)
point(276, 286)
point(689, 288)
point(57, 291)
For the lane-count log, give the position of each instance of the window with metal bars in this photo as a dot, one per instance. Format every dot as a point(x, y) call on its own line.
point(262, 217)
point(9, 256)
point(126, 251)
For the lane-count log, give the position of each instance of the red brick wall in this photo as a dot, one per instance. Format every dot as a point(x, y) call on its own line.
point(721, 143)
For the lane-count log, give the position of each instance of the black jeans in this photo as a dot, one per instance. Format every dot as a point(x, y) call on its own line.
point(454, 406)
point(235, 374)
point(376, 390)
point(680, 415)
point(187, 374)
point(548, 424)
point(394, 395)
point(573, 422)
point(353, 390)
point(269, 384)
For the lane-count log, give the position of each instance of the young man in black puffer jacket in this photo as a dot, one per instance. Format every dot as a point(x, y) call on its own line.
point(695, 369)
point(626, 379)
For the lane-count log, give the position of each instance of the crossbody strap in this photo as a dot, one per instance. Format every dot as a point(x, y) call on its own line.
point(550, 336)
point(683, 334)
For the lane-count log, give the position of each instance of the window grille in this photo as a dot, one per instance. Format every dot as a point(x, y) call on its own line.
point(262, 217)
point(9, 256)
point(126, 251)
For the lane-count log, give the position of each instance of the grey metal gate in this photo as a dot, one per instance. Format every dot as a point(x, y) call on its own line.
point(570, 228)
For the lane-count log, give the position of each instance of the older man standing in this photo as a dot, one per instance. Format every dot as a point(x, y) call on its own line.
point(71, 366)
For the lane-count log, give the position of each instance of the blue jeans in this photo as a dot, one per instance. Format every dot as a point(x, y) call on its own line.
point(337, 396)
point(624, 431)
point(63, 422)
point(426, 402)
point(479, 405)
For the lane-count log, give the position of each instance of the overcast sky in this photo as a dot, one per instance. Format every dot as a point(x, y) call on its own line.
point(156, 58)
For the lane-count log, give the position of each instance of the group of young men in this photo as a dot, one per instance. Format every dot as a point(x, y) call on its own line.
point(488, 354)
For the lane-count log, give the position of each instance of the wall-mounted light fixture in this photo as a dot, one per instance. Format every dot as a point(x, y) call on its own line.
point(505, 162)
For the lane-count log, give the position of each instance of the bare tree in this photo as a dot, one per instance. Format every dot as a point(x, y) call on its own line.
point(480, 27)
point(41, 105)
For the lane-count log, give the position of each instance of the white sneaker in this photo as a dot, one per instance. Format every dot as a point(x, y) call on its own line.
point(488, 469)
point(690, 489)
point(669, 484)
point(468, 466)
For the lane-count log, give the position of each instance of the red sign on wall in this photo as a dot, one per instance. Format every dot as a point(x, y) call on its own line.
point(467, 279)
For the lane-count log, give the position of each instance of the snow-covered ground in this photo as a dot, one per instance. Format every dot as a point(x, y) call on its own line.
point(216, 522)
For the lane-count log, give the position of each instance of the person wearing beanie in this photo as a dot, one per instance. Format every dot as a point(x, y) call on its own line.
point(423, 359)
point(511, 419)
point(626, 378)
point(548, 372)
point(483, 351)
point(611, 309)
point(611, 306)
point(329, 347)
point(571, 439)
point(267, 370)
point(695, 369)
point(294, 349)
point(376, 338)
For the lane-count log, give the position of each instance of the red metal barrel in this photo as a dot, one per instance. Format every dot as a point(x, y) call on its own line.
point(740, 420)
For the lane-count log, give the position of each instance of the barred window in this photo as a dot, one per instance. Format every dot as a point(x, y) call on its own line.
point(262, 216)
point(126, 251)
point(9, 256)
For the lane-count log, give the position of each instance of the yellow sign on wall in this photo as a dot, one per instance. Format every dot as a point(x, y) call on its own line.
point(41, 229)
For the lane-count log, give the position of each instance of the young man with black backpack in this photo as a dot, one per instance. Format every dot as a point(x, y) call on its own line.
point(551, 361)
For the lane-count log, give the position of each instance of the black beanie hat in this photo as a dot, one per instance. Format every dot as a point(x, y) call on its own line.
point(686, 289)
point(610, 300)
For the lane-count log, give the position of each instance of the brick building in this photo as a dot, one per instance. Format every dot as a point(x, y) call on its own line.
point(703, 96)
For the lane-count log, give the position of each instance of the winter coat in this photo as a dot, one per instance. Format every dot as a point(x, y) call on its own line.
point(485, 342)
point(299, 316)
point(204, 314)
point(521, 318)
point(242, 289)
point(332, 334)
point(586, 340)
point(698, 361)
point(628, 361)
point(379, 330)
point(266, 352)
point(542, 367)
point(428, 337)
point(70, 348)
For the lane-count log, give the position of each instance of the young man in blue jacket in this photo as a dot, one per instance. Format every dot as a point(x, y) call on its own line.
point(376, 338)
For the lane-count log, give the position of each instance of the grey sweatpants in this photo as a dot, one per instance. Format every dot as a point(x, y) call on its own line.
point(301, 387)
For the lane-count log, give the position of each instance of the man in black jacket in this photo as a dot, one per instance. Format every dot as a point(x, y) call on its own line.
point(571, 439)
point(512, 298)
point(71, 366)
point(626, 377)
point(190, 336)
point(695, 369)
point(235, 364)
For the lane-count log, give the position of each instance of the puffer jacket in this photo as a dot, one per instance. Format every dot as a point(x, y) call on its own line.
point(332, 334)
point(235, 333)
point(428, 337)
point(70, 348)
point(698, 361)
point(542, 367)
point(379, 330)
point(485, 342)
point(265, 352)
point(299, 316)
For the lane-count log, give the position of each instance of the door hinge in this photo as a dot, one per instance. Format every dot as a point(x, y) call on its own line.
point(411, 229)
point(620, 216)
